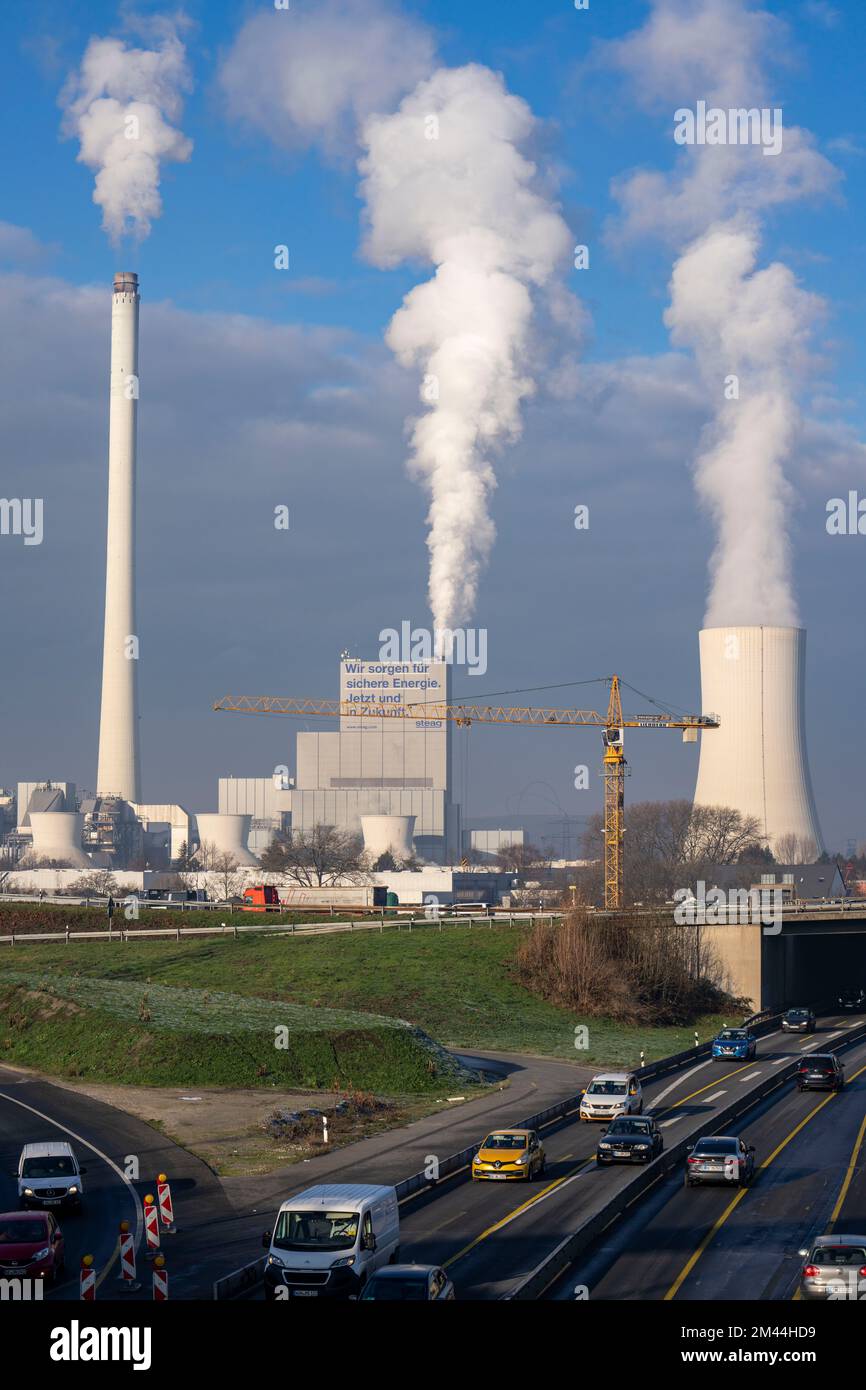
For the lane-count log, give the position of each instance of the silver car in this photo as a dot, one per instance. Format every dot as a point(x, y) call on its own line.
point(834, 1267)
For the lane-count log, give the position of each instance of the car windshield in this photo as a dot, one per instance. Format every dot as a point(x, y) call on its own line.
point(628, 1126)
point(23, 1232)
point(504, 1141)
point(715, 1146)
point(731, 1035)
point(798, 1013)
point(55, 1166)
point(607, 1088)
point(411, 1289)
point(316, 1230)
point(817, 1064)
point(838, 1255)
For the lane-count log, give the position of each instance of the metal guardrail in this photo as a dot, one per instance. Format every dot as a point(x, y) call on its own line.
point(421, 1182)
point(275, 928)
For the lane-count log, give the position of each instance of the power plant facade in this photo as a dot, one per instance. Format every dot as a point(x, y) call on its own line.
point(118, 768)
point(753, 678)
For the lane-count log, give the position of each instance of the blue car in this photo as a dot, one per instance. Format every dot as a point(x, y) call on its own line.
point(735, 1044)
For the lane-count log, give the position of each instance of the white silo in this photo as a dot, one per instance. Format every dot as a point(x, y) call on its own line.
point(118, 770)
point(227, 835)
point(388, 835)
point(753, 678)
point(57, 836)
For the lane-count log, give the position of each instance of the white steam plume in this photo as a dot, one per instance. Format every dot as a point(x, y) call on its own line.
point(445, 182)
point(739, 321)
point(754, 324)
point(121, 104)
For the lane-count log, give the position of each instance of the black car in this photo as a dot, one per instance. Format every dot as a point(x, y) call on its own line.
point(722, 1158)
point(798, 1021)
point(852, 1000)
point(630, 1139)
point(820, 1072)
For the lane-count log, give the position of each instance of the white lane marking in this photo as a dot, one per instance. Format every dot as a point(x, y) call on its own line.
point(715, 1096)
point(672, 1121)
point(751, 1076)
point(777, 1061)
point(679, 1081)
point(139, 1218)
point(838, 1032)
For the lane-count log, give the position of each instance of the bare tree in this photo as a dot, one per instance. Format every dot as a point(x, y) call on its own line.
point(796, 849)
point(515, 857)
point(99, 883)
point(225, 877)
point(317, 857)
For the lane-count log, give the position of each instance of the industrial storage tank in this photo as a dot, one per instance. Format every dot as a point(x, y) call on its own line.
point(227, 835)
point(753, 678)
point(57, 836)
point(388, 835)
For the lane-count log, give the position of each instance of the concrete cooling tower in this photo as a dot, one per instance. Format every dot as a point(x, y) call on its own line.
point(227, 835)
point(388, 835)
point(753, 679)
point(57, 836)
point(117, 772)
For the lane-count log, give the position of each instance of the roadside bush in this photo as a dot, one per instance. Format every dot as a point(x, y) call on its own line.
point(636, 970)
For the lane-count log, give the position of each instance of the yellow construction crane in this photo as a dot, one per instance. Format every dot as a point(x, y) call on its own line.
point(612, 725)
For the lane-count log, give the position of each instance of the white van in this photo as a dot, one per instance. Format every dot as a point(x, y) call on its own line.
point(328, 1240)
point(49, 1175)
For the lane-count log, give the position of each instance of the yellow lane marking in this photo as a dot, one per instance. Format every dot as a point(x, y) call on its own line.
point(696, 1255)
point(524, 1206)
point(855, 1154)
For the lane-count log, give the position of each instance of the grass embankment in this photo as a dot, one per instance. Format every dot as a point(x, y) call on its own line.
point(115, 1030)
point(458, 985)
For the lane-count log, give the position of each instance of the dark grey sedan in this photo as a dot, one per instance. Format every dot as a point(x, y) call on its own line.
point(408, 1284)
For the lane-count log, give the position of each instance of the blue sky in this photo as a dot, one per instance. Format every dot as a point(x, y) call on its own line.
point(220, 586)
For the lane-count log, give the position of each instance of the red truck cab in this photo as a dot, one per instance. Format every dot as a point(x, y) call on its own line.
point(261, 897)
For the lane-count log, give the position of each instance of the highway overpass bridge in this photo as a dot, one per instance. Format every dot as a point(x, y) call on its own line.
point(808, 956)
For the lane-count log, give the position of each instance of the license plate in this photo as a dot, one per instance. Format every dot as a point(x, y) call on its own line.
point(712, 1168)
point(497, 1177)
point(305, 1293)
point(621, 1153)
point(14, 1273)
point(51, 1201)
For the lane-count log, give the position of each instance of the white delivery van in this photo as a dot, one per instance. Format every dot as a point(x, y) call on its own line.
point(328, 1240)
point(49, 1175)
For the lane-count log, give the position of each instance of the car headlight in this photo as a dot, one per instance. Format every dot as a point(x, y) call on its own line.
point(603, 1145)
point(28, 1192)
point(524, 1158)
point(73, 1189)
point(41, 1254)
point(344, 1262)
point(275, 1260)
point(641, 1147)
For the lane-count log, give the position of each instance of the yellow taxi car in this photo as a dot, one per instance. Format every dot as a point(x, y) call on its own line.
point(509, 1153)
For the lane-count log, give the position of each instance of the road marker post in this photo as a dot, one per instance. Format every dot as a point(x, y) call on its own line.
point(151, 1227)
point(87, 1280)
point(166, 1211)
point(126, 1278)
point(160, 1280)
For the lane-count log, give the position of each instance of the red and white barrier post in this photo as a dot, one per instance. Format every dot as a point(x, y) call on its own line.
point(160, 1280)
point(151, 1227)
point(166, 1211)
point(87, 1280)
point(126, 1278)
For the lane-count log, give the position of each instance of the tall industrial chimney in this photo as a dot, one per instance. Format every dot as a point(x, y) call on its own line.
point(117, 773)
point(753, 679)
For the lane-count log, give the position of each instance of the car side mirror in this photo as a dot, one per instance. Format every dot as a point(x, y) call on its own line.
point(369, 1243)
point(689, 1148)
point(266, 1240)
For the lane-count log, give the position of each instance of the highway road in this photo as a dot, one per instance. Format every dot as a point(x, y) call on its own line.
point(105, 1139)
point(491, 1235)
point(714, 1243)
